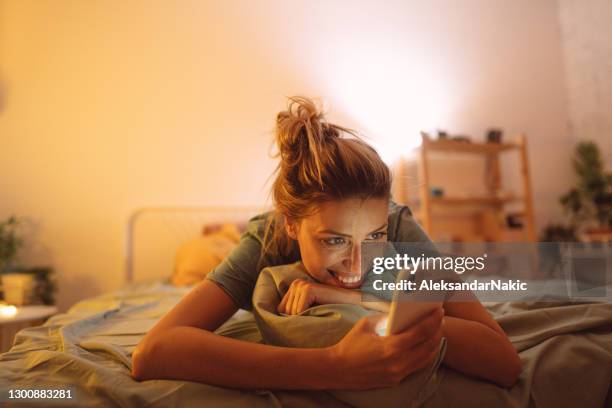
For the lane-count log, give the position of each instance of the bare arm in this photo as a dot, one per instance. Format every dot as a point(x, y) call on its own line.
point(477, 345)
point(302, 294)
point(182, 346)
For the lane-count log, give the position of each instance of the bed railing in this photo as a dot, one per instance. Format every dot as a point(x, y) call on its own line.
point(153, 235)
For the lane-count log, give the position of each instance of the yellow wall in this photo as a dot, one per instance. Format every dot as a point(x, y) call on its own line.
point(112, 105)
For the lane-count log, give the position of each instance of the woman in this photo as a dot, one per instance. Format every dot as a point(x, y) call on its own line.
point(331, 194)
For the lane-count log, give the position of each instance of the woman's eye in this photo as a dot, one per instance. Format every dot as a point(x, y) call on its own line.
point(377, 235)
point(333, 241)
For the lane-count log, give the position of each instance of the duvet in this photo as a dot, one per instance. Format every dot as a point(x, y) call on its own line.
point(566, 350)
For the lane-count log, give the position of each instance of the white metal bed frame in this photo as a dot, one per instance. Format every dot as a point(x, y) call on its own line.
point(154, 233)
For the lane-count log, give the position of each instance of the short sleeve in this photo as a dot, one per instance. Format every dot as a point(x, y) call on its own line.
point(405, 227)
point(238, 272)
point(407, 230)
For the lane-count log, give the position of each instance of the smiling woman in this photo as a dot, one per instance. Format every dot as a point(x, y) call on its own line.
point(330, 248)
point(331, 194)
point(330, 240)
point(319, 165)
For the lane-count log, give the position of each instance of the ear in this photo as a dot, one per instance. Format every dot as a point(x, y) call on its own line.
point(291, 228)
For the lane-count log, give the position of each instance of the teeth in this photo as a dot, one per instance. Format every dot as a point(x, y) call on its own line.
point(348, 279)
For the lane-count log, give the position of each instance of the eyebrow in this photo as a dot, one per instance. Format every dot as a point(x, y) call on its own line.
point(328, 231)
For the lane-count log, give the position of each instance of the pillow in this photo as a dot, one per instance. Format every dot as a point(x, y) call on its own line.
point(195, 258)
point(208, 229)
point(325, 325)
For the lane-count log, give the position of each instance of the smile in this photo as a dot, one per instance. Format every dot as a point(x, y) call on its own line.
point(347, 281)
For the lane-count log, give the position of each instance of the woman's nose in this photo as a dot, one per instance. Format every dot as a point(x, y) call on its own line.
point(353, 261)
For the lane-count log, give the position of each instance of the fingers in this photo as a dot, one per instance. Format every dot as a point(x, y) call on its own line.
point(420, 356)
point(290, 301)
point(302, 303)
point(372, 322)
point(287, 302)
point(428, 350)
point(420, 331)
point(295, 300)
point(281, 306)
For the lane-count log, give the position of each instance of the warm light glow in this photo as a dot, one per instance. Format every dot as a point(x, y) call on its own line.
point(392, 97)
point(8, 310)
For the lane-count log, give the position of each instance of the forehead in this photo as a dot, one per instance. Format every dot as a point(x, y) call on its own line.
point(349, 214)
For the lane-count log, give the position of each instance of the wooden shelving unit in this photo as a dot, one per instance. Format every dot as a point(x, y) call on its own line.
point(489, 208)
point(484, 200)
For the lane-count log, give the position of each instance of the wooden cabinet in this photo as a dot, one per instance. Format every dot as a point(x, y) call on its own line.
point(481, 214)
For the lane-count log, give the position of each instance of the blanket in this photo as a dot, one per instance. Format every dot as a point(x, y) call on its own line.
point(566, 349)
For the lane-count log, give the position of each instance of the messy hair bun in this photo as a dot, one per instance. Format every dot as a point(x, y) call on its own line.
point(301, 137)
point(319, 162)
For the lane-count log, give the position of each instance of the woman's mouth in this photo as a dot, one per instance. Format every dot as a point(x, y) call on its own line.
point(346, 281)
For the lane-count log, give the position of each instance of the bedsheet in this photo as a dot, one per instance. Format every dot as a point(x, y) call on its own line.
point(566, 351)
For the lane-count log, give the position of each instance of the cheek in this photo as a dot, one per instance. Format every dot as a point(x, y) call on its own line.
point(317, 260)
point(326, 259)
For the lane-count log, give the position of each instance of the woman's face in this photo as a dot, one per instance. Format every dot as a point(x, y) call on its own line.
point(330, 240)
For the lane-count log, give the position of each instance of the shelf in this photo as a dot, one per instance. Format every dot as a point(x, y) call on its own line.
point(480, 214)
point(474, 200)
point(467, 147)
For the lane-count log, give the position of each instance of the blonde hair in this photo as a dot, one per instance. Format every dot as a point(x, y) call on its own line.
point(318, 163)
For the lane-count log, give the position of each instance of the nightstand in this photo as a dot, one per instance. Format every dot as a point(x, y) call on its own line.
point(26, 316)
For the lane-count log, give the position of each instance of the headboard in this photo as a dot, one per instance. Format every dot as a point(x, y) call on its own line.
point(153, 235)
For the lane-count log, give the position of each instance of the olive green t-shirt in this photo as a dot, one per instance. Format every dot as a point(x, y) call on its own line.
point(239, 271)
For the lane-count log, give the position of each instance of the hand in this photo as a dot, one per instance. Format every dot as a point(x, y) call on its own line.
point(300, 296)
point(363, 359)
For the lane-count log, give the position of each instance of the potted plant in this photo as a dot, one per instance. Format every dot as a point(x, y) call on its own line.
point(589, 203)
point(22, 285)
point(43, 286)
point(16, 287)
point(559, 233)
point(10, 242)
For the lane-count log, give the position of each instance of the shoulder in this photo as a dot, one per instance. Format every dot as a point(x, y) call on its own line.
point(256, 226)
point(402, 225)
point(266, 223)
point(396, 213)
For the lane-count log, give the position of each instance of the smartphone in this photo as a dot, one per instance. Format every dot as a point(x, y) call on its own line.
point(408, 307)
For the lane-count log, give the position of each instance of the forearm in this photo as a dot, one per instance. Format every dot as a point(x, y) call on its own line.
point(192, 354)
point(476, 349)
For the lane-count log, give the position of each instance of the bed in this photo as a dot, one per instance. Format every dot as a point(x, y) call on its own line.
point(566, 348)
